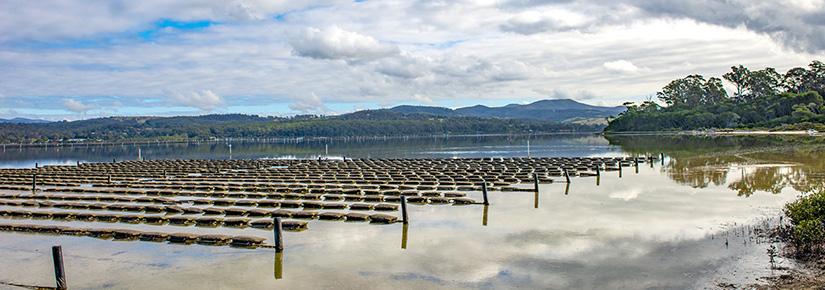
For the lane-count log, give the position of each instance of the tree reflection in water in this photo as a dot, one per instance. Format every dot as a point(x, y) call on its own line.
point(745, 164)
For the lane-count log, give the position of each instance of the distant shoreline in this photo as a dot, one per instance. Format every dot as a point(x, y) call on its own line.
point(719, 133)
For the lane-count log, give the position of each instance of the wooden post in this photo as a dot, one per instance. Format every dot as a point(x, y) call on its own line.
point(536, 199)
point(59, 272)
point(620, 168)
point(535, 182)
point(566, 176)
point(404, 218)
point(484, 192)
point(662, 158)
point(598, 170)
point(34, 182)
point(279, 238)
point(567, 188)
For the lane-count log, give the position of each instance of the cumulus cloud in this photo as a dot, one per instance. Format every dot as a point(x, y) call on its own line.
point(77, 106)
point(311, 104)
point(336, 43)
point(204, 100)
point(621, 66)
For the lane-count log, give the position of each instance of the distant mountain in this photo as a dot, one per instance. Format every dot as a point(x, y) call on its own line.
point(562, 110)
point(23, 121)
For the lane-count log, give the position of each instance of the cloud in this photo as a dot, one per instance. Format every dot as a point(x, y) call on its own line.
point(77, 106)
point(259, 55)
point(621, 66)
point(204, 100)
point(336, 43)
point(311, 104)
point(532, 22)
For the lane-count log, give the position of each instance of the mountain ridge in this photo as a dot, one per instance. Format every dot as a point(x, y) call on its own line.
point(549, 110)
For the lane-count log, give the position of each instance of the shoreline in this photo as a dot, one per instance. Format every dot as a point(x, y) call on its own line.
point(718, 133)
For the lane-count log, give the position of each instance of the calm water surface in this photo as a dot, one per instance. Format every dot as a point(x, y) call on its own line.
point(661, 225)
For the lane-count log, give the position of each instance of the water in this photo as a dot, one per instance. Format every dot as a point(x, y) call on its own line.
point(663, 227)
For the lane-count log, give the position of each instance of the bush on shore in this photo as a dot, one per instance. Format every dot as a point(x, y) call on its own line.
point(808, 221)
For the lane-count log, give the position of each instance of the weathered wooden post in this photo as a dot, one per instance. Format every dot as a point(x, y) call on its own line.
point(535, 182)
point(59, 272)
point(404, 218)
point(484, 192)
point(279, 238)
point(620, 168)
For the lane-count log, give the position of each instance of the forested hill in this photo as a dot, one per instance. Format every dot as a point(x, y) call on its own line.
point(762, 99)
point(367, 123)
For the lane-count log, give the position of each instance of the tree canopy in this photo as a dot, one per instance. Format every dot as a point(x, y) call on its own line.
point(762, 99)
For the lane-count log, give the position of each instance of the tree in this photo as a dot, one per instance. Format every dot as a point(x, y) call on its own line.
point(739, 77)
point(797, 80)
point(764, 83)
point(693, 90)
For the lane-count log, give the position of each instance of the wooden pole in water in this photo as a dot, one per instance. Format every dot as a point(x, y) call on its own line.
point(59, 272)
point(567, 188)
point(620, 168)
point(404, 218)
point(535, 182)
point(34, 182)
point(566, 176)
point(279, 238)
point(484, 192)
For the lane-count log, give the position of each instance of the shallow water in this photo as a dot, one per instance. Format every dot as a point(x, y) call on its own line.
point(682, 223)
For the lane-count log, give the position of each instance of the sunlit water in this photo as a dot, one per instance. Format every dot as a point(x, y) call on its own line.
point(682, 223)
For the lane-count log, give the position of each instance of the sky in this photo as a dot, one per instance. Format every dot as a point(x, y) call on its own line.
point(77, 59)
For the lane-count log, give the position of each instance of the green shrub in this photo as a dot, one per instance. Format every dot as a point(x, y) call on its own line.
point(807, 234)
point(811, 207)
point(807, 216)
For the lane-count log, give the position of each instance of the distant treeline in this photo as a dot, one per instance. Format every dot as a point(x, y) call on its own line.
point(762, 99)
point(358, 124)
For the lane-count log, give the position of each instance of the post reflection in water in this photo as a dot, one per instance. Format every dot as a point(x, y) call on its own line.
point(484, 215)
point(404, 229)
point(536, 199)
point(279, 265)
